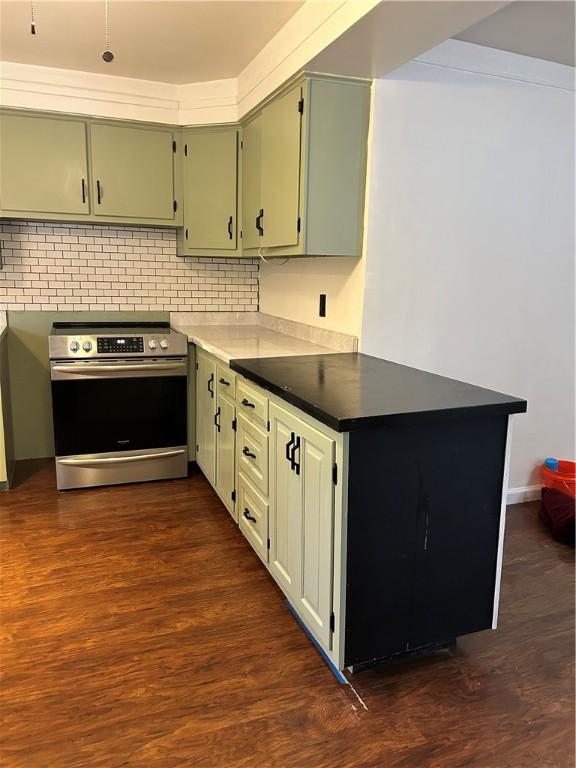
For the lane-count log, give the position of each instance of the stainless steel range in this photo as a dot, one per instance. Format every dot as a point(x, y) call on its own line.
point(119, 403)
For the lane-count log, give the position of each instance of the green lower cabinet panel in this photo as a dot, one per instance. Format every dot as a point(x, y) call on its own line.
point(43, 165)
point(211, 190)
point(280, 137)
point(132, 172)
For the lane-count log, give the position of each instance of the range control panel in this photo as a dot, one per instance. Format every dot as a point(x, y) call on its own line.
point(119, 345)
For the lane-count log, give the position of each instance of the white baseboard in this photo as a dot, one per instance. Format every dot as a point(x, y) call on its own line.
point(526, 493)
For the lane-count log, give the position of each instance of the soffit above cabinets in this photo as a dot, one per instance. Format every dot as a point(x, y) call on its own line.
point(160, 40)
point(543, 29)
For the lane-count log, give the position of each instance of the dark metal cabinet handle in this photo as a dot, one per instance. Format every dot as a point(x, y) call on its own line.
point(248, 516)
point(83, 190)
point(248, 404)
point(230, 220)
point(210, 385)
point(259, 225)
point(247, 452)
point(295, 464)
point(217, 419)
point(98, 191)
point(288, 447)
point(223, 381)
point(186, 233)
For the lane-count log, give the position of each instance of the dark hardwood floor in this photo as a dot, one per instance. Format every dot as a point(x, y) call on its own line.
point(139, 629)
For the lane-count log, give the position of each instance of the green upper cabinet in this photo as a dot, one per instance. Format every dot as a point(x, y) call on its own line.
point(43, 166)
point(69, 168)
point(132, 172)
point(251, 195)
point(210, 184)
point(280, 137)
point(309, 179)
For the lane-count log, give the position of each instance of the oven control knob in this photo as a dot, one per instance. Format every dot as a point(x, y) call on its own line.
point(74, 346)
point(87, 346)
point(164, 344)
point(152, 344)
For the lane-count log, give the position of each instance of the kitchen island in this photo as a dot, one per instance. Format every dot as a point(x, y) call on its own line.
point(374, 493)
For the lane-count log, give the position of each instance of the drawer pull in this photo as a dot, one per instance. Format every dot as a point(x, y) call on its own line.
point(247, 404)
point(248, 516)
point(223, 381)
point(247, 452)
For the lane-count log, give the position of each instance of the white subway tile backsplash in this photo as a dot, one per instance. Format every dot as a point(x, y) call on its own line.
point(88, 267)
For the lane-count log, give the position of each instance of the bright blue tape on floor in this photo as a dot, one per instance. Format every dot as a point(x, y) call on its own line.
point(335, 671)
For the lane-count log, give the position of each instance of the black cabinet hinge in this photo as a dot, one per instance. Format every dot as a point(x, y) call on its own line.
point(332, 622)
point(298, 224)
point(175, 206)
point(234, 424)
point(173, 146)
point(233, 494)
point(196, 366)
point(268, 426)
point(301, 106)
point(185, 150)
point(335, 474)
point(268, 544)
point(197, 447)
point(241, 144)
point(241, 235)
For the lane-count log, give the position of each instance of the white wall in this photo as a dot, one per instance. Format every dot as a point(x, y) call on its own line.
point(470, 240)
point(292, 290)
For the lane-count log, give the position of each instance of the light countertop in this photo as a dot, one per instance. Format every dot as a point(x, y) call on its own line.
point(236, 342)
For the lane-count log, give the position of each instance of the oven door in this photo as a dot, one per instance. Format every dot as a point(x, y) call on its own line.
point(118, 405)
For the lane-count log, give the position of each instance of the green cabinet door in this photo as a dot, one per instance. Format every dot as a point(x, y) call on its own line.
point(43, 165)
point(280, 139)
point(211, 189)
point(251, 187)
point(132, 172)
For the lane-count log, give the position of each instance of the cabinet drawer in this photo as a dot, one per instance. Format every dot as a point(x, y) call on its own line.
point(253, 517)
point(225, 381)
point(252, 403)
point(252, 454)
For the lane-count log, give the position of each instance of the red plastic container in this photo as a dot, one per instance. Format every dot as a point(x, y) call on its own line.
point(563, 479)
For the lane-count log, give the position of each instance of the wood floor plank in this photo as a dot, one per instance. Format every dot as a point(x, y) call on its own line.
point(139, 630)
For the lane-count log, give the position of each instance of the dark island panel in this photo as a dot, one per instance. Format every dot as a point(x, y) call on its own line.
point(353, 391)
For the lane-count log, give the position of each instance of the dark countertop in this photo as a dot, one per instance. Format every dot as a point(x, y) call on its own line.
point(352, 391)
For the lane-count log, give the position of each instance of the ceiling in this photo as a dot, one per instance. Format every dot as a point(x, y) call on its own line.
point(168, 41)
point(544, 30)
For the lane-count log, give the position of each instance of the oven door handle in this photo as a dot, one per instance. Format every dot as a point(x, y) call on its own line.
point(119, 459)
point(76, 368)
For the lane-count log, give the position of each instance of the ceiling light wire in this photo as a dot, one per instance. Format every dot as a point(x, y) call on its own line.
point(108, 56)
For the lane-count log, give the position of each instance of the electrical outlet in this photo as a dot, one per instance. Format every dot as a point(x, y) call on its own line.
point(322, 310)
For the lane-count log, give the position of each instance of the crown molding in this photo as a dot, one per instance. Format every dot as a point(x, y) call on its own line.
point(26, 86)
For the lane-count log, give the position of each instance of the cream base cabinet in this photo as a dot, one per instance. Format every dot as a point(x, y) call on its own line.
point(301, 520)
point(225, 422)
point(206, 415)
